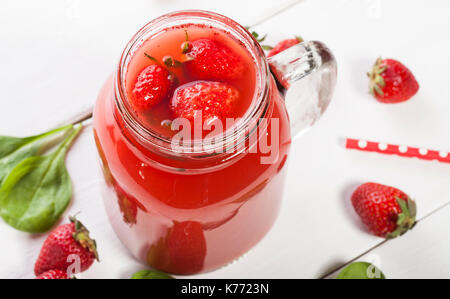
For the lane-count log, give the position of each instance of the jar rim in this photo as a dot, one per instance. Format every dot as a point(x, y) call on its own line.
point(239, 133)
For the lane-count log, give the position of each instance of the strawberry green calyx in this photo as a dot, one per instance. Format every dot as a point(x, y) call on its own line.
point(186, 46)
point(170, 62)
point(406, 219)
point(299, 38)
point(377, 82)
point(81, 235)
point(259, 39)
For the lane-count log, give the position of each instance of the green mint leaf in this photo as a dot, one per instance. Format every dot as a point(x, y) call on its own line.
point(148, 274)
point(361, 270)
point(13, 149)
point(37, 190)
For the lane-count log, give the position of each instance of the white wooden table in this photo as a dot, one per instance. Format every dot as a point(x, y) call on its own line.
point(55, 55)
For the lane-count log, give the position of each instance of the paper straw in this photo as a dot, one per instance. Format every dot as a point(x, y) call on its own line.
point(399, 150)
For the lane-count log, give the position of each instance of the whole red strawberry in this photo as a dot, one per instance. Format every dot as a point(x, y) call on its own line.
point(212, 99)
point(66, 240)
point(391, 81)
point(53, 274)
point(212, 60)
point(283, 45)
point(386, 211)
point(187, 247)
point(152, 86)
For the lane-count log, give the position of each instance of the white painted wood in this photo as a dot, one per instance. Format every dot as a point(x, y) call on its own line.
point(55, 55)
point(317, 230)
point(420, 254)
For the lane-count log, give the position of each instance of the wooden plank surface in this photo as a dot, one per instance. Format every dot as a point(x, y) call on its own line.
point(420, 254)
point(57, 70)
point(55, 55)
point(318, 229)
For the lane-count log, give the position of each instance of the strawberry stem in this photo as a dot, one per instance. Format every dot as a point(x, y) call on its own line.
point(151, 58)
point(81, 235)
point(186, 46)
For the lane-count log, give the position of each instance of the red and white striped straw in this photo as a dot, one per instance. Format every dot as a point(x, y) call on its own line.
point(399, 150)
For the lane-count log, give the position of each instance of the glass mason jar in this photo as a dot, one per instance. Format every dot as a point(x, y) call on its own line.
point(184, 209)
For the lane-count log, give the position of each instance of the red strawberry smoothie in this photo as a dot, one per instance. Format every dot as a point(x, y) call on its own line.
point(186, 213)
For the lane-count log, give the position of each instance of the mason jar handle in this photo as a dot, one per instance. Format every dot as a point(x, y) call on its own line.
point(308, 72)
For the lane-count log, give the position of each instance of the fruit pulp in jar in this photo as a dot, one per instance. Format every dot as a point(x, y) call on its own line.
point(177, 220)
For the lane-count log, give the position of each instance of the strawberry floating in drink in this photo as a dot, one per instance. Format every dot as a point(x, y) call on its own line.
point(181, 251)
point(187, 247)
point(66, 240)
point(151, 87)
point(212, 99)
point(386, 211)
point(391, 81)
point(212, 60)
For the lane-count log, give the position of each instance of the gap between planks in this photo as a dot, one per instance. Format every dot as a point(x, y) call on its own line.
point(330, 274)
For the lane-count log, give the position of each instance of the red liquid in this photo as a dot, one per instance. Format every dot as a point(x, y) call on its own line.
point(169, 44)
point(173, 218)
